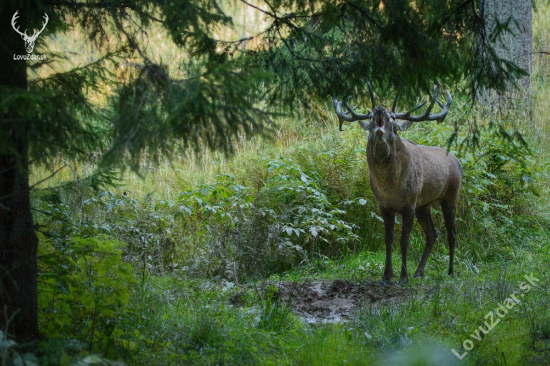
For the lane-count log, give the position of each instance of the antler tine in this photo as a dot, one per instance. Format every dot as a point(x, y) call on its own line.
point(440, 117)
point(44, 26)
point(426, 116)
point(16, 28)
point(407, 114)
point(357, 116)
point(371, 94)
point(394, 102)
point(341, 115)
point(349, 116)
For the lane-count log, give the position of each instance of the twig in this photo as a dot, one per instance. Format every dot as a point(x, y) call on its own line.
point(259, 9)
point(101, 5)
point(52, 215)
point(48, 177)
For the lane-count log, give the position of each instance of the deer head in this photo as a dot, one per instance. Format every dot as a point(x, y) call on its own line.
point(29, 40)
point(383, 124)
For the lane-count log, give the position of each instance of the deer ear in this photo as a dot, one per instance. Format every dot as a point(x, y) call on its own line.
point(402, 125)
point(366, 125)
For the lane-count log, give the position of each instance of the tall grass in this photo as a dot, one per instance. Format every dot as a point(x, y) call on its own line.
point(540, 78)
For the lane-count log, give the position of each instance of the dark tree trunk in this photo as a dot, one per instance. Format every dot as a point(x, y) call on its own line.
point(18, 241)
point(515, 46)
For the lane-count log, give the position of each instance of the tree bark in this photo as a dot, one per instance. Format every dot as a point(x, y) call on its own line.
point(517, 44)
point(18, 241)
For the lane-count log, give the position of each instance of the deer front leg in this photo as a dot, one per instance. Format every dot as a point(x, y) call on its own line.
point(389, 224)
point(408, 220)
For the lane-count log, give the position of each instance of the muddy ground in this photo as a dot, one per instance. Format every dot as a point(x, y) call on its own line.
point(334, 301)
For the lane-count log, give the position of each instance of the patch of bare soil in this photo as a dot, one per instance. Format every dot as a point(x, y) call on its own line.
point(336, 301)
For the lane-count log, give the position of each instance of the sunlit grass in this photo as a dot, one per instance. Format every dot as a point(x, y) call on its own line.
point(541, 77)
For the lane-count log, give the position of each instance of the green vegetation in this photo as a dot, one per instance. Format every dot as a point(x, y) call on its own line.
point(290, 213)
point(181, 264)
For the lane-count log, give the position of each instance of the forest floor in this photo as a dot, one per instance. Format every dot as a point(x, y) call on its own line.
point(321, 302)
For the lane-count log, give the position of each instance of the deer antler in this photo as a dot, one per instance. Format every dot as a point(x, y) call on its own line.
point(24, 34)
point(350, 115)
point(426, 116)
point(13, 19)
point(371, 94)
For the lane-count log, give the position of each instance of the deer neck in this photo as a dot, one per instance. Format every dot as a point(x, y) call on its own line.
point(387, 170)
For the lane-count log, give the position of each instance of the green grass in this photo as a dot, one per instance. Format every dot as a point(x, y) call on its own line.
point(182, 321)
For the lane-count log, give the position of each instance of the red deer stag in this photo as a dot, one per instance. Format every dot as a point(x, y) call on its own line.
point(407, 178)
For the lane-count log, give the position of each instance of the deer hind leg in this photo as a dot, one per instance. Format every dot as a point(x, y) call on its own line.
point(389, 224)
point(424, 217)
point(449, 214)
point(408, 220)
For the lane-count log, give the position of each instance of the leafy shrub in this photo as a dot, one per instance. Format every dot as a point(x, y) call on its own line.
point(307, 211)
point(241, 232)
point(51, 352)
point(10, 355)
point(84, 287)
point(149, 233)
point(339, 162)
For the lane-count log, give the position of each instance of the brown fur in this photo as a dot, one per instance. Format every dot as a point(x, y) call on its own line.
point(408, 179)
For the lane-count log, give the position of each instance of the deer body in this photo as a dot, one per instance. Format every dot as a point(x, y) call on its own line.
point(408, 179)
point(415, 175)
